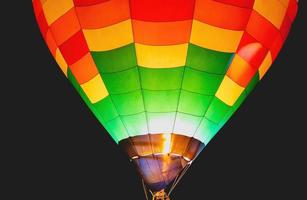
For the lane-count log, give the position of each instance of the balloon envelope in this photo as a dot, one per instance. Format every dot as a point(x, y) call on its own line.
point(163, 76)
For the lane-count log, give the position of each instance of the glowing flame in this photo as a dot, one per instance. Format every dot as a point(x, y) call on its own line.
point(166, 143)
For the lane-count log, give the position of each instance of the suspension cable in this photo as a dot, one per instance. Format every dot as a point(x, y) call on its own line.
point(177, 180)
point(145, 189)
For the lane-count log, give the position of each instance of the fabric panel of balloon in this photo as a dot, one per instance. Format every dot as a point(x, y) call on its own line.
point(163, 76)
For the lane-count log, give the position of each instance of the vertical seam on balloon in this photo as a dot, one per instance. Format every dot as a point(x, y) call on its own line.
point(140, 80)
point(218, 124)
point(244, 92)
point(204, 115)
point(68, 67)
point(137, 66)
point(182, 78)
point(80, 88)
point(52, 34)
point(102, 80)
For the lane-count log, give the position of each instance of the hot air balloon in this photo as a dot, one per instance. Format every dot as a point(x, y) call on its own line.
point(163, 76)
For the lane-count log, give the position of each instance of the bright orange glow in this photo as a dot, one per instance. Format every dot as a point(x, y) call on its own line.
point(166, 143)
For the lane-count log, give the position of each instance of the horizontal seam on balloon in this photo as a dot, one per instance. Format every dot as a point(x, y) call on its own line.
point(164, 69)
point(152, 90)
point(117, 71)
point(117, 48)
point(206, 71)
point(100, 77)
point(108, 26)
point(171, 112)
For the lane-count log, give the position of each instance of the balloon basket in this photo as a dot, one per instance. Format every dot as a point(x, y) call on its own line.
point(161, 195)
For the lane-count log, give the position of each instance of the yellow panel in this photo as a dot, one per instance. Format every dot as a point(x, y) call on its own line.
point(110, 37)
point(95, 89)
point(215, 38)
point(61, 61)
point(272, 10)
point(229, 91)
point(54, 9)
point(161, 56)
point(265, 65)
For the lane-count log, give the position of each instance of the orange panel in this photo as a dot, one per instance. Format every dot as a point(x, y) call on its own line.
point(240, 71)
point(65, 27)
point(103, 14)
point(162, 33)
point(221, 15)
point(51, 42)
point(84, 69)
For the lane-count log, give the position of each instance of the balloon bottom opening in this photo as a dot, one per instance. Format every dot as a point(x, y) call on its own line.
point(160, 158)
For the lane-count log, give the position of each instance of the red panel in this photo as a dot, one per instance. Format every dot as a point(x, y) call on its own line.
point(276, 46)
point(262, 30)
point(221, 15)
point(240, 3)
point(42, 23)
point(292, 9)
point(103, 14)
point(74, 48)
point(162, 10)
point(285, 28)
point(37, 7)
point(251, 51)
point(88, 2)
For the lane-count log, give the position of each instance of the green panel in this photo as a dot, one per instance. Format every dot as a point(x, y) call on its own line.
point(233, 109)
point(121, 82)
point(252, 84)
point(106, 109)
point(241, 99)
point(115, 60)
point(136, 124)
point(96, 113)
point(208, 60)
point(116, 129)
point(161, 79)
point(201, 82)
point(161, 122)
point(206, 131)
point(217, 110)
point(76, 85)
point(186, 124)
point(161, 101)
point(193, 103)
point(209, 135)
point(128, 103)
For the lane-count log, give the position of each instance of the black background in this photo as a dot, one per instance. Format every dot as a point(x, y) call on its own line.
point(55, 148)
